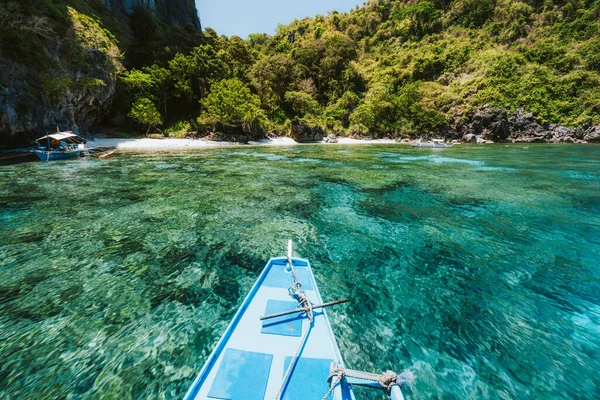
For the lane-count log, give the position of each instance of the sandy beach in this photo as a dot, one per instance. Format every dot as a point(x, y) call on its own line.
point(183, 144)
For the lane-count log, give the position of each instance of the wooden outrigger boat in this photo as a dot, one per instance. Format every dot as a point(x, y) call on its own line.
point(280, 345)
point(60, 146)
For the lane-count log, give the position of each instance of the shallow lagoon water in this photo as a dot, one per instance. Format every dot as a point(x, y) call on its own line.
point(476, 267)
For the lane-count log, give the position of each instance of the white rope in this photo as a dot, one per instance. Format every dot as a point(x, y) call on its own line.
point(337, 374)
point(293, 361)
point(386, 380)
point(297, 292)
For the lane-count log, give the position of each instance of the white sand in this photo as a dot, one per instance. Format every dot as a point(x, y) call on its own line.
point(182, 144)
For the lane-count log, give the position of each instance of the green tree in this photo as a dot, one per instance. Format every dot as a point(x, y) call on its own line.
point(343, 108)
point(471, 13)
point(413, 114)
point(373, 114)
point(162, 85)
point(182, 72)
point(301, 103)
point(230, 102)
point(325, 61)
point(137, 82)
point(144, 111)
point(340, 50)
point(421, 17)
point(193, 73)
point(272, 77)
point(237, 56)
point(153, 82)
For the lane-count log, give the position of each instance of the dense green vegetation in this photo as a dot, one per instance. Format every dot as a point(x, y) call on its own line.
point(385, 68)
point(394, 68)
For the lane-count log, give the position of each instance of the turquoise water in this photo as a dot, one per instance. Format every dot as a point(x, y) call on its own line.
point(475, 267)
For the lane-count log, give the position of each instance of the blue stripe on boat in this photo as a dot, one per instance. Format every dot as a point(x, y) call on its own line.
point(242, 375)
point(287, 325)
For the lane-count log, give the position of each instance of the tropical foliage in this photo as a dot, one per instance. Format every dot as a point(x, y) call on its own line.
point(230, 102)
point(385, 68)
point(400, 67)
point(144, 111)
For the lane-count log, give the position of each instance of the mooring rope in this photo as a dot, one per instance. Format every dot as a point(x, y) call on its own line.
point(293, 361)
point(386, 380)
point(338, 374)
point(298, 293)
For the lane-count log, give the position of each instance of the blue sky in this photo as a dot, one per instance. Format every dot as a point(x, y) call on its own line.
point(241, 17)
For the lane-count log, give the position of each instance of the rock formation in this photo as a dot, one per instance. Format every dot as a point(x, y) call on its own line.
point(303, 132)
point(172, 12)
point(331, 138)
point(491, 125)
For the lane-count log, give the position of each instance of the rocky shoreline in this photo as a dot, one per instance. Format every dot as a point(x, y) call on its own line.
point(492, 125)
point(489, 125)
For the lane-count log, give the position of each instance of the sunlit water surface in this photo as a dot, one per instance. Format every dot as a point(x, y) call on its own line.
point(475, 267)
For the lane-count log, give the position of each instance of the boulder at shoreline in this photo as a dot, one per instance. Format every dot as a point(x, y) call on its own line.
point(302, 132)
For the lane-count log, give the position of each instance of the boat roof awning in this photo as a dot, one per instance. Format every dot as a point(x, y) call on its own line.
point(61, 136)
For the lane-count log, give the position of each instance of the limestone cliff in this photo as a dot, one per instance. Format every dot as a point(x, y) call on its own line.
point(60, 64)
point(172, 12)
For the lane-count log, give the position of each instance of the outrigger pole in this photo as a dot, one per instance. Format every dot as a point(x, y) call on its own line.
point(389, 381)
point(281, 314)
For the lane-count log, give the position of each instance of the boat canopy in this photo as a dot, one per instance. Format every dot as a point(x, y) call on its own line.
point(68, 137)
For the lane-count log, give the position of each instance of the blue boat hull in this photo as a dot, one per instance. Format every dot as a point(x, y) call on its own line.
point(57, 155)
point(252, 357)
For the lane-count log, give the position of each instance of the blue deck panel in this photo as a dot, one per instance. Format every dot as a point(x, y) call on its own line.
point(280, 278)
point(287, 325)
point(242, 375)
point(306, 382)
point(223, 373)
